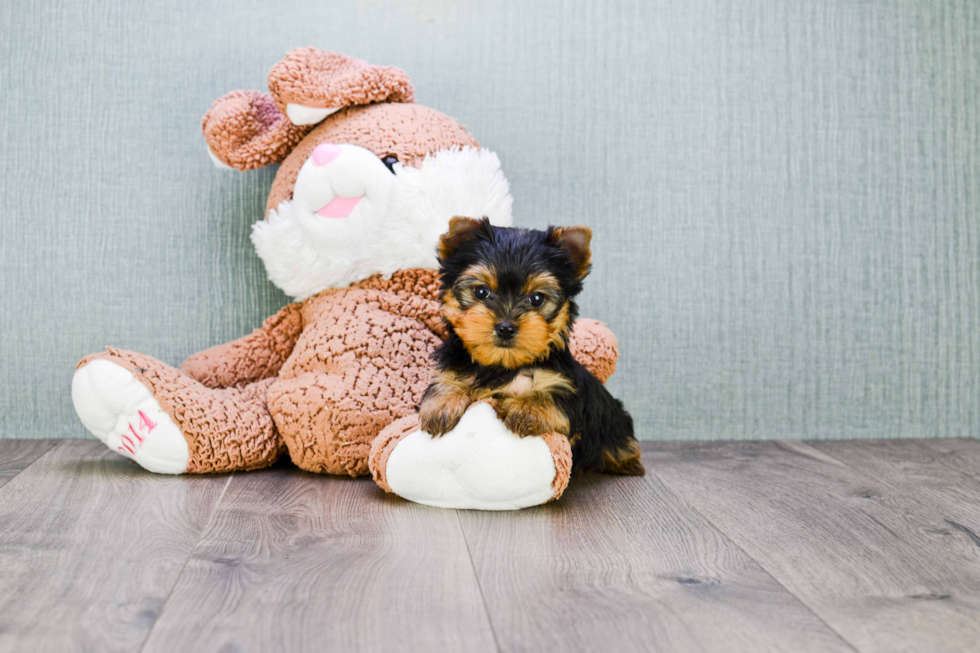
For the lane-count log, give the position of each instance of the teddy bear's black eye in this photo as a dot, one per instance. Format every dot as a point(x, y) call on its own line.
point(390, 162)
point(481, 292)
point(536, 299)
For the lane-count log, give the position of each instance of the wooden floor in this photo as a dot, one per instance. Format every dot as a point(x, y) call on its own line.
point(823, 546)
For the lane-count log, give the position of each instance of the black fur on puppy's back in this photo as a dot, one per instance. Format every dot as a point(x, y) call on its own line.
point(605, 441)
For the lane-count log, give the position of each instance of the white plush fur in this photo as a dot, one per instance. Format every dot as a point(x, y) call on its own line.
point(395, 226)
point(218, 163)
point(303, 115)
point(121, 412)
point(478, 465)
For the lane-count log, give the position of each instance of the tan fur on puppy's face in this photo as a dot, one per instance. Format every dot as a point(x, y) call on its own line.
point(558, 328)
point(543, 282)
point(535, 335)
point(473, 277)
point(554, 312)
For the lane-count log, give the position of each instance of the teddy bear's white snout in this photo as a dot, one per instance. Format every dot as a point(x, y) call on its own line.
point(343, 182)
point(338, 207)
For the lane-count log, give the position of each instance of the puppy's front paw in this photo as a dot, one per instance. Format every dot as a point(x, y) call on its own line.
point(531, 418)
point(440, 415)
point(524, 423)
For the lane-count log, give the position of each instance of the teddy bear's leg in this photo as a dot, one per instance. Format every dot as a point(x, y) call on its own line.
point(327, 424)
point(479, 464)
point(170, 423)
point(254, 357)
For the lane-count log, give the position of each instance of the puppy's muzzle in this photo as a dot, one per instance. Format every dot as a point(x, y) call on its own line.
point(505, 331)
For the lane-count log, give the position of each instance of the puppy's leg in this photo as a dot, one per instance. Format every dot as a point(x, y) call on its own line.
point(620, 450)
point(532, 415)
point(527, 406)
point(624, 460)
point(444, 403)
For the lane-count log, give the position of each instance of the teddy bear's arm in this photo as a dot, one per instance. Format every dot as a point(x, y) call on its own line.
point(254, 357)
point(595, 346)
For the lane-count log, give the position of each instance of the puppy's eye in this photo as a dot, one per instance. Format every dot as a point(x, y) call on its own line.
point(481, 292)
point(536, 299)
point(390, 162)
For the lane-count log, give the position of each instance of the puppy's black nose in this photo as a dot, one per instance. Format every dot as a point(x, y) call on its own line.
point(505, 330)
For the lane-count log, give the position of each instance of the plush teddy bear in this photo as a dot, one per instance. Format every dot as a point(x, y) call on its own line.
point(367, 182)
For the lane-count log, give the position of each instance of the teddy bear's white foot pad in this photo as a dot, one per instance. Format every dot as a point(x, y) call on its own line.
point(478, 465)
point(121, 412)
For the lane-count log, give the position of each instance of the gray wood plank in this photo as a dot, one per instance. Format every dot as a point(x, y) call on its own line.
point(914, 468)
point(620, 564)
point(960, 453)
point(882, 568)
point(90, 547)
point(16, 455)
point(299, 562)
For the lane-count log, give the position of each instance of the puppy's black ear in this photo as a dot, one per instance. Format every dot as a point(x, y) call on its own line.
point(575, 241)
point(461, 230)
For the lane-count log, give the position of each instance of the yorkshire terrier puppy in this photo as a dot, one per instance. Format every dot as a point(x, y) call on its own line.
point(508, 302)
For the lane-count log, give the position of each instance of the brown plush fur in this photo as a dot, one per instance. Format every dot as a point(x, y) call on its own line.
point(325, 79)
point(315, 380)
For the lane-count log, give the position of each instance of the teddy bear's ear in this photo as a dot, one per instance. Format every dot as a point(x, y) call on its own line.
point(309, 84)
point(460, 231)
point(245, 130)
point(576, 243)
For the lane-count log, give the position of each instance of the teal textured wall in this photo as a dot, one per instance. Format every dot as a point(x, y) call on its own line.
point(785, 195)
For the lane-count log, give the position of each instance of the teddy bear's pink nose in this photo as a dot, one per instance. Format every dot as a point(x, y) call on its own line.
point(325, 153)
